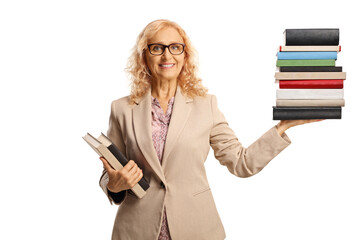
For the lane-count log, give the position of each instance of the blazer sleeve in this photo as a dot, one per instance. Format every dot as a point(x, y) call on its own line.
point(115, 135)
point(241, 161)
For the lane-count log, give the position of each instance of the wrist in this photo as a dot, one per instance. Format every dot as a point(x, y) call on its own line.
point(281, 128)
point(113, 190)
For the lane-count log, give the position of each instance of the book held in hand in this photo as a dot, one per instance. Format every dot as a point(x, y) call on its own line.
point(105, 148)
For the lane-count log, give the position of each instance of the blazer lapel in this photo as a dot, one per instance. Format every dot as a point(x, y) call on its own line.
point(180, 113)
point(143, 132)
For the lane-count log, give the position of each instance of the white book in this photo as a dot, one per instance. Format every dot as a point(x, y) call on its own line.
point(310, 94)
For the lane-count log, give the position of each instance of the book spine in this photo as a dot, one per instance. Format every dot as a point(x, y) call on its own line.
point(310, 48)
point(310, 103)
point(310, 94)
point(311, 84)
point(123, 161)
point(325, 37)
point(292, 113)
point(310, 69)
point(306, 55)
point(309, 75)
point(313, 62)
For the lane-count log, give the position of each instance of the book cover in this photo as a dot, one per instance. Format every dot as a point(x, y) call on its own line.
point(309, 48)
point(312, 36)
point(294, 113)
point(310, 69)
point(310, 94)
point(305, 62)
point(105, 148)
point(310, 84)
point(310, 102)
point(309, 75)
point(306, 55)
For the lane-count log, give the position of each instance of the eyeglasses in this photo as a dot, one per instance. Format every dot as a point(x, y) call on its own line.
point(159, 49)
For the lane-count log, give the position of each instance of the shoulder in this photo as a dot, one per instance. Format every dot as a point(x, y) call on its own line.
point(205, 104)
point(208, 99)
point(121, 105)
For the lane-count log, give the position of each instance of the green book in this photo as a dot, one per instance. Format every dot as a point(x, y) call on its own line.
point(313, 62)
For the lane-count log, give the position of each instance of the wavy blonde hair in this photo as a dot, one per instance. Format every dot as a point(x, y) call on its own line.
point(140, 76)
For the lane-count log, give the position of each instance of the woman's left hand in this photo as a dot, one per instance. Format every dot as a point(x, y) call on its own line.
point(283, 125)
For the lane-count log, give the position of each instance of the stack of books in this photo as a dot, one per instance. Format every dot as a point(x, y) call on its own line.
point(310, 85)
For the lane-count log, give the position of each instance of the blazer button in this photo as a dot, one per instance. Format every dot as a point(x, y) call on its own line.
point(162, 185)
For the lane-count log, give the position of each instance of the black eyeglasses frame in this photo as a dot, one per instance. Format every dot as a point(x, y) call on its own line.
point(166, 46)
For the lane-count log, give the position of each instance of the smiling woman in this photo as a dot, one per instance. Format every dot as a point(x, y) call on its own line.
point(166, 127)
point(140, 72)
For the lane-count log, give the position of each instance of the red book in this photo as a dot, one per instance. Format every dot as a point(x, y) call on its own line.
point(312, 84)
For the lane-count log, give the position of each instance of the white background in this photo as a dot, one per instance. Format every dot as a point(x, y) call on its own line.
point(62, 63)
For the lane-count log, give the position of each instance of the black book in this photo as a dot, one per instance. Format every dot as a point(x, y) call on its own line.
point(310, 69)
point(296, 113)
point(105, 148)
point(312, 37)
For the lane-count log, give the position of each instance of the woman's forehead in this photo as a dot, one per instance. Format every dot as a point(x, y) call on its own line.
point(167, 36)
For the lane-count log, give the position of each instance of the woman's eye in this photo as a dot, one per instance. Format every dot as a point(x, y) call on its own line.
point(157, 48)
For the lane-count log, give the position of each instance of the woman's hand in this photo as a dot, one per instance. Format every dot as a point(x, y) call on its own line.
point(123, 179)
point(283, 125)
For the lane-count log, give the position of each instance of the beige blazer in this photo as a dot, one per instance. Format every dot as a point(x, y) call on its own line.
point(180, 183)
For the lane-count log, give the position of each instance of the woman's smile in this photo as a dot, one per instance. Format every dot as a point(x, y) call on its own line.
point(166, 65)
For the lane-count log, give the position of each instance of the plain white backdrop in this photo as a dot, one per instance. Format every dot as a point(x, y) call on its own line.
point(62, 63)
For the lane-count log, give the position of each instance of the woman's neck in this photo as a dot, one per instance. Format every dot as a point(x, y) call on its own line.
point(163, 90)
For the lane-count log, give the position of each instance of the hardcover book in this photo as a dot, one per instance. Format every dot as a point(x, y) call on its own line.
point(305, 62)
point(310, 69)
point(293, 113)
point(309, 75)
point(310, 94)
point(310, 103)
point(309, 48)
point(105, 148)
point(306, 55)
point(306, 84)
point(312, 37)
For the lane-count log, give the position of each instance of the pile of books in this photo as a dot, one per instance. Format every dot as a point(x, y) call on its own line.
point(310, 85)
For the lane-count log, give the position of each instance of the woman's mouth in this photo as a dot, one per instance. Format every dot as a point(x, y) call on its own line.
point(167, 65)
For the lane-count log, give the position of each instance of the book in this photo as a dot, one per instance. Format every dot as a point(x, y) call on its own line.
point(306, 55)
point(310, 102)
point(306, 84)
point(310, 94)
point(305, 62)
point(309, 75)
point(105, 148)
point(309, 48)
point(293, 113)
point(312, 37)
point(310, 69)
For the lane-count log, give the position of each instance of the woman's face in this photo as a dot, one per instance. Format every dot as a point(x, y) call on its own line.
point(165, 66)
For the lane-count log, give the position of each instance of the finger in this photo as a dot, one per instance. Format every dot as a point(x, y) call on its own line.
point(106, 165)
point(129, 165)
point(133, 170)
point(137, 177)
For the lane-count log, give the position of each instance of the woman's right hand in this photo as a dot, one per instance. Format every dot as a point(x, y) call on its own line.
point(123, 179)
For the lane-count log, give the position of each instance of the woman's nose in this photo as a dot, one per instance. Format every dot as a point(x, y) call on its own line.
point(167, 54)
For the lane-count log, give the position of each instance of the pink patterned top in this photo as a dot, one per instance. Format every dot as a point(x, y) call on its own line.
point(160, 124)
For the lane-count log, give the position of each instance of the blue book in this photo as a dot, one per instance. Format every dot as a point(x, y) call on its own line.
point(306, 55)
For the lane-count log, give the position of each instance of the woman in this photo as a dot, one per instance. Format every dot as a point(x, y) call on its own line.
point(179, 203)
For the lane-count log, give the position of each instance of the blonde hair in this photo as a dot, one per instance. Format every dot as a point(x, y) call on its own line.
point(140, 77)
